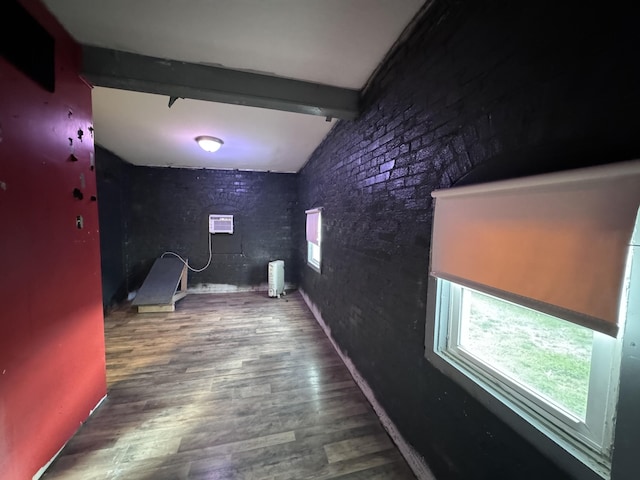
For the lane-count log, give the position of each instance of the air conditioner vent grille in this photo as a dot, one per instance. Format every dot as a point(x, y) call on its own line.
point(220, 223)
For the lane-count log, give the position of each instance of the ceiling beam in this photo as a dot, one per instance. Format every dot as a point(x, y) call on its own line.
point(128, 71)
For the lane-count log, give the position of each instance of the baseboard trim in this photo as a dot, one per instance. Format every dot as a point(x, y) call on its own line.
point(42, 471)
point(415, 460)
point(227, 288)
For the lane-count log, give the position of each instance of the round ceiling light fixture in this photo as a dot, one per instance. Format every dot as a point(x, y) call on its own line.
point(209, 144)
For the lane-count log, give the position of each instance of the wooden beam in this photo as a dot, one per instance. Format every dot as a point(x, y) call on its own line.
point(175, 79)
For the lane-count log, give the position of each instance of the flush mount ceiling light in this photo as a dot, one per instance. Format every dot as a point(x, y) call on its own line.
point(209, 144)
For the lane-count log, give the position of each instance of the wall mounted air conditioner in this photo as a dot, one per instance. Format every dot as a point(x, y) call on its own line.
point(220, 223)
point(276, 278)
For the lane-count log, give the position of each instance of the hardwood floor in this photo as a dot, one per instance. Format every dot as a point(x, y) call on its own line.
point(229, 386)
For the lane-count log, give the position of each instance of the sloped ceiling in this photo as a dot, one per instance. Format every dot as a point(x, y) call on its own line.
point(323, 43)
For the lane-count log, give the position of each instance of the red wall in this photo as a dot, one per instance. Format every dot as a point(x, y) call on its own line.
point(52, 358)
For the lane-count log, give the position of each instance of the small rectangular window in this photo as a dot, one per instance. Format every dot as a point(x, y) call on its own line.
point(314, 237)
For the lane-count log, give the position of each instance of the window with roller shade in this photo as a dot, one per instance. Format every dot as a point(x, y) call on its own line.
point(314, 233)
point(530, 282)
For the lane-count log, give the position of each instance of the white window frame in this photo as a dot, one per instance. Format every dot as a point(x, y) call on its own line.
point(592, 438)
point(314, 252)
point(313, 256)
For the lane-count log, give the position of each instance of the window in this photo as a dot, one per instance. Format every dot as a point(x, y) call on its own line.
point(522, 305)
point(537, 354)
point(314, 234)
point(558, 375)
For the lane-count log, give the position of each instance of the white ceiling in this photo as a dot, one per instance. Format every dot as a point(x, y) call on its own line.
point(332, 42)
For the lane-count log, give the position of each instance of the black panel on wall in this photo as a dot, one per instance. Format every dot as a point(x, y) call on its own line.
point(26, 44)
point(170, 210)
point(478, 92)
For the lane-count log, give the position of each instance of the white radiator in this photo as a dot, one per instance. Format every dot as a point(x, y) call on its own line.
point(276, 278)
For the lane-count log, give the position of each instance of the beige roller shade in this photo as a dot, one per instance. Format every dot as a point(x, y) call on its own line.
point(313, 222)
point(558, 240)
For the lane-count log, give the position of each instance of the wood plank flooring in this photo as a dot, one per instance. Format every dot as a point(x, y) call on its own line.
point(229, 386)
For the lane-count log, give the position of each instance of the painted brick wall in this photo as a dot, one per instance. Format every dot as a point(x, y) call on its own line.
point(112, 178)
point(169, 211)
point(479, 91)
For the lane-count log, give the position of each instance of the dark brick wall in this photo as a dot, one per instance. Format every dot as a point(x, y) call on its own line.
point(170, 209)
point(112, 181)
point(480, 91)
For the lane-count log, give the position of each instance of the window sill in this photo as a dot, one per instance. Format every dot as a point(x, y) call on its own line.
point(314, 267)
